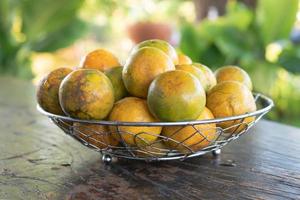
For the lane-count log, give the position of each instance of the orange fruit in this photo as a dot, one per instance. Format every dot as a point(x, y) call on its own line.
point(86, 94)
point(231, 98)
point(191, 138)
point(209, 75)
point(162, 45)
point(155, 149)
point(100, 59)
point(47, 91)
point(142, 67)
point(183, 59)
point(133, 109)
point(176, 96)
point(233, 73)
point(196, 72)
point(115, 76)
point(94, 134)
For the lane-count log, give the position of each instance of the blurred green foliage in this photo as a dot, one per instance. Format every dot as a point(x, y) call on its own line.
point(290, 58)
point(242, 37)
point(275, 19)
point(28, 26)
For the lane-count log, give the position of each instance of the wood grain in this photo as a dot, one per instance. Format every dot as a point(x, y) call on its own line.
point(38, 161)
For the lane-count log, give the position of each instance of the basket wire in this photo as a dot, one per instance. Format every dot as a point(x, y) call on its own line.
point(154, 151)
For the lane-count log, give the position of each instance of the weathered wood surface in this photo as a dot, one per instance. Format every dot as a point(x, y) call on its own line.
point(38, 161)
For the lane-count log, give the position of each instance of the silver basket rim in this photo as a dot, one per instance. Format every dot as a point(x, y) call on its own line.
point(265, 109)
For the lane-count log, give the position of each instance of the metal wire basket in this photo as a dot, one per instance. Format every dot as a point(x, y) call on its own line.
point(96, 135)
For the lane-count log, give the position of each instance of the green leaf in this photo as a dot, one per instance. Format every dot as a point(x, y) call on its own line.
point(46, 16)
point(38, 23)
point(238, 15)
point(290, 59)
point(62, 37)
point(17, 63)
point(286, 94)
point(8, 9)
point(191, 42)
point(232, 43)
point(263, 75)
point(275, 19)
point(212, 57)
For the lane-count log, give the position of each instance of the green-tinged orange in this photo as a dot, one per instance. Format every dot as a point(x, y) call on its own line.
point(96, 135)
point(115, 76)
point(187, 139)
point(176, 96)
point(47, 90)
point(100, 59)
point(86, 94)
point(209, 75)
point(231, 98)
point(133, 109)
point(162, 45)
point(142, 67)
point(196, 72)
point(233, 73)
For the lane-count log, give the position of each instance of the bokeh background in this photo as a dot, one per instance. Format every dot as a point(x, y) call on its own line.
point(261, 36)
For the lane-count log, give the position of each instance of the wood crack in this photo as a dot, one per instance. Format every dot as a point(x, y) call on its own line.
point(21, 155)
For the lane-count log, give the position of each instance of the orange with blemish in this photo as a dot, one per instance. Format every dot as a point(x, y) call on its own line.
point(86, 94)
point(47, 92)
point(176, 96)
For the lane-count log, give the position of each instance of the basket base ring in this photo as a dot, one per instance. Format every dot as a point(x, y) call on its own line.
point(106, 159)
point(216, 152)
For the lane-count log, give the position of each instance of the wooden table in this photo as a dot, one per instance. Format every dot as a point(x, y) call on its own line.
point(38, 161)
